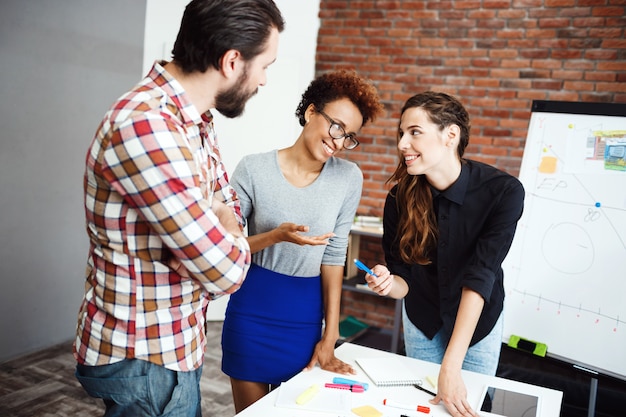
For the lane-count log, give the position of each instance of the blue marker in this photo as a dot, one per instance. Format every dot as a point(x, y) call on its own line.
point(338, 380)
point(362, 267)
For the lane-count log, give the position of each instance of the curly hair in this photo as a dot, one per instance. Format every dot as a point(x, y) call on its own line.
point(340, 84)
point(413, 195)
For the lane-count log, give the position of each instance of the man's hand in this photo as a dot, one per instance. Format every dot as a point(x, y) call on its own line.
point(227, 218)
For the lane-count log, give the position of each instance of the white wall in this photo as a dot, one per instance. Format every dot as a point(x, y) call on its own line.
point(269, 121)
point(63, 64)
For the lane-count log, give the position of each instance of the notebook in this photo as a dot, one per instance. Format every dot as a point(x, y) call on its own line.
point(387, 371)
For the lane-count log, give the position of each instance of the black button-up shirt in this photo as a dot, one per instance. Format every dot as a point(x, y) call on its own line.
point(476, 218)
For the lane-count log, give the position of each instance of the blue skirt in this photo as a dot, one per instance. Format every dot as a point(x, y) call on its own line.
point(272, 325)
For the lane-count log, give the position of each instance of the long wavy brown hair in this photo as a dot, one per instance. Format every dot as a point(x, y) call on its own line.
point(417, 226)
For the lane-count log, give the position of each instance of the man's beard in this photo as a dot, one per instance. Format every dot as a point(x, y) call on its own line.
point(232, 102)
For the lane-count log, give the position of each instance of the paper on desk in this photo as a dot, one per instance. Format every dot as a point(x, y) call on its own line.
point(329, 400)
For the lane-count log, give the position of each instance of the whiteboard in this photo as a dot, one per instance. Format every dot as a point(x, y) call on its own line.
point(565, 275)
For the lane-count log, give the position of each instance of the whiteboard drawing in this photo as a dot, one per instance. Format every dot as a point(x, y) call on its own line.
point(565, 275)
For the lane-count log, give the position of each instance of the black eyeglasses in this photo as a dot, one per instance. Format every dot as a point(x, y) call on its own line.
point(337, 132)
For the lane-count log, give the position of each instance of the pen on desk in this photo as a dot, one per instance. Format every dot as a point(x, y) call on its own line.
point(362, 267)
point(339, 380)
point(420, 408)
point(353, 388)
point(421, 388)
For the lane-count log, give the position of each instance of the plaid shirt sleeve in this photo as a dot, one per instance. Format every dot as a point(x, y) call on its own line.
point(223, 189)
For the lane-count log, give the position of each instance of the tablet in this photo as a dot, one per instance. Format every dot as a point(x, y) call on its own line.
point(502, 402)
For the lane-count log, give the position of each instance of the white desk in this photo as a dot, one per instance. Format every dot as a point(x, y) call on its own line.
point(550, 400)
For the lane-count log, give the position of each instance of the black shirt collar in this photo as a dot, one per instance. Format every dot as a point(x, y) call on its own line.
point(456, 192)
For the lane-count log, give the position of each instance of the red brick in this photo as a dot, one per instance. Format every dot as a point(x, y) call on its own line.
point(588, 22)
point(566, 54)
point(547, 64)
point(554, 23)
point(575, 12)
point(563, 96)
point(608, 11)
point(614, 43)
point(601, 54)
point(587, 43)
point(601, 98)
point(611, 87)
point(560, 3)
point(483, 122)
point(490, 82)
point(568, 75)
point(602, 76)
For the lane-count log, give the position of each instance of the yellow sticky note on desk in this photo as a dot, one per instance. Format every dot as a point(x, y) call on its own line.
point(367, 411)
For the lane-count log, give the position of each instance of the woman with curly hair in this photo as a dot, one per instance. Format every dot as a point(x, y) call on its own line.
point(448, 225)
point(299, 203)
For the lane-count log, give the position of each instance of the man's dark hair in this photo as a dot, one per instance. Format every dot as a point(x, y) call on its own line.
point(209, 28)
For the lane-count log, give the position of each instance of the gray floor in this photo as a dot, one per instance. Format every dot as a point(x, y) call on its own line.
point(43, 384)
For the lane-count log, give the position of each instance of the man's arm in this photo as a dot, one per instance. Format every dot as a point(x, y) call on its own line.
point(157, 175)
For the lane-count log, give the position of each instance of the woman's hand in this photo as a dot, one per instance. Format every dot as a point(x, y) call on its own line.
point(324, 354)
point(286, 232)
point(290, 232)
point(452, 392)
point(380, 283)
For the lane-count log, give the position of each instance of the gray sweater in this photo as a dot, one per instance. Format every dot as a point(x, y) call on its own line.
point(327, 205)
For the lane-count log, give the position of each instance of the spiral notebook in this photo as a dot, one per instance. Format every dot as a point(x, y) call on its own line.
point(387, 371)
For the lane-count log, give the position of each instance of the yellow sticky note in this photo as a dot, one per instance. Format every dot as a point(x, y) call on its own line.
point(367, 411)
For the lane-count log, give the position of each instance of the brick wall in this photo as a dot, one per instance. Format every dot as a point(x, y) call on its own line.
point(495, 55)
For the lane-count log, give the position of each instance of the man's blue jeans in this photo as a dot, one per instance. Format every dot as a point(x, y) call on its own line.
point(136, 388)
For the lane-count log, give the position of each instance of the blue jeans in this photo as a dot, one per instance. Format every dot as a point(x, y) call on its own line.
point(483, 357)
point(136, 388)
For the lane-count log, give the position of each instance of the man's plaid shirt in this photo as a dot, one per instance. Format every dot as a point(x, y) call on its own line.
point(152, 171)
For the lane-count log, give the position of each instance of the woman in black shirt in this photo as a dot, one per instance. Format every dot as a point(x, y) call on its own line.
point(448, 225)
